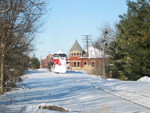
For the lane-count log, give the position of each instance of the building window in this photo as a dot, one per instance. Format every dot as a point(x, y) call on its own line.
point(74, 64)
point(85, 63)
point(78, 64)
point(77, 54)
point(92, 64)
point(74, 54)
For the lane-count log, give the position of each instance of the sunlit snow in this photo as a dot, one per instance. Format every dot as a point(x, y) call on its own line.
point(78, 92)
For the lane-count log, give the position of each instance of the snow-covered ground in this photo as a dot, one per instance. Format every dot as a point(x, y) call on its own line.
point(78, 92)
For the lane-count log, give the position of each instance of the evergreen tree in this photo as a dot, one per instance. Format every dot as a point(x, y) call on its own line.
point(130, 52)
point(35, 63)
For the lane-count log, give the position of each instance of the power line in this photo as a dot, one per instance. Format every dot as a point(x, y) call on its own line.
point(87, 39)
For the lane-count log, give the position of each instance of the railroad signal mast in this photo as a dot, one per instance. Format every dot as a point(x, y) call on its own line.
point(105, 44)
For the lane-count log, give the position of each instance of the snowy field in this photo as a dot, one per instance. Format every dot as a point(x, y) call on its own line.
point(78, 92)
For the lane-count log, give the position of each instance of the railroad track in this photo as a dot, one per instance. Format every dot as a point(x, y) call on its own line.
point(129, 99)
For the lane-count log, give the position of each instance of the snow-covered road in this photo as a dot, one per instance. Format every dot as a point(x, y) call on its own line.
point(78, 92)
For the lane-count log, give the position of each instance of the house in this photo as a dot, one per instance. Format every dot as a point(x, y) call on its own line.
point(80, 60)
point(44, 62)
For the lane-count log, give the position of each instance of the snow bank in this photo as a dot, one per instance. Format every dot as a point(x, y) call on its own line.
point(144, 79)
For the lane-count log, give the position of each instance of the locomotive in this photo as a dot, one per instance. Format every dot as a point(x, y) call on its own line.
point(58, 62)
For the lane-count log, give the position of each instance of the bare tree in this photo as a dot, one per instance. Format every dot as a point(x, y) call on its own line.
point(98, 44)
point(19, 21)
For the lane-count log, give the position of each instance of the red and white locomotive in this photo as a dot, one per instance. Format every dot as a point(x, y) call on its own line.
point(59, 62)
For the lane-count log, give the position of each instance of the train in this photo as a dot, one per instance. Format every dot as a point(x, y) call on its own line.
point(58, 62)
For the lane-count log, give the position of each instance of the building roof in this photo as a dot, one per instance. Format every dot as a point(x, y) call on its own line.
point(94, 52)
point(76, 47)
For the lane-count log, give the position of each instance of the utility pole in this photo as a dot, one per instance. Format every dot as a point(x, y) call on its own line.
point(87, 39)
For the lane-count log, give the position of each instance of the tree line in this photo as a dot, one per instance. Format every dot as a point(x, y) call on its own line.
point(19, 20)
point(129, 52)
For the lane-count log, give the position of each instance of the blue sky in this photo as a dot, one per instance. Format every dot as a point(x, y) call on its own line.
point(69, 20)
